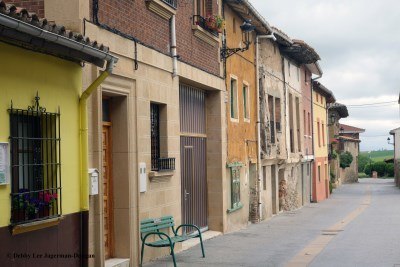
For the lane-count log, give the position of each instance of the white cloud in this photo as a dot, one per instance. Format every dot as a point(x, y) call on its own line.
point(358, 42)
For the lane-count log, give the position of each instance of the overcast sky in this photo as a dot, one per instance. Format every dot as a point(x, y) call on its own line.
point(359, 45)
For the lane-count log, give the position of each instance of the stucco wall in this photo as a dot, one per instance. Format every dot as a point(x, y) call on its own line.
point(241, 135)
point(58, 83)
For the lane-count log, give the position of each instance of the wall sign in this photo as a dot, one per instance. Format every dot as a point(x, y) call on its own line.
point(4, 164)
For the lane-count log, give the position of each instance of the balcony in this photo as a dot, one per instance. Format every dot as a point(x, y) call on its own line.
point(203, 32)
point(163, 164)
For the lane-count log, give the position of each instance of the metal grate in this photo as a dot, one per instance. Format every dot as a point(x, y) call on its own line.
point(200, 21)
point(166, 164)
point(155, 135)
point(171, 3)
point(35, 164)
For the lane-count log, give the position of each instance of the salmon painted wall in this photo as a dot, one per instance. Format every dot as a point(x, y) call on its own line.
point(320, 184)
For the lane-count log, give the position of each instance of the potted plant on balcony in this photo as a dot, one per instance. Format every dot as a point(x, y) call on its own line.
point(48, 200)
point(215, 23)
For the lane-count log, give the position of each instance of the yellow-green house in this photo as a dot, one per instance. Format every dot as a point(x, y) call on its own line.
point(43, 140)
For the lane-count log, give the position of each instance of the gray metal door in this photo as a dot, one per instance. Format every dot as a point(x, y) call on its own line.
point(193, 156)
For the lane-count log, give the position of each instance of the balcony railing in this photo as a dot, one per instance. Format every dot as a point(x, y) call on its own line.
point(171, 3)
point(164, 164)
point(201, 22)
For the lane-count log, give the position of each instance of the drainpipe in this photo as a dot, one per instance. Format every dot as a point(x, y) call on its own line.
point(84, 132)
point(312, 133)
point(173, 48)
point(258, 37)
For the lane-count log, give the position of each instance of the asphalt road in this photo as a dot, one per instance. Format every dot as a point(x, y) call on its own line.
point(358, 226)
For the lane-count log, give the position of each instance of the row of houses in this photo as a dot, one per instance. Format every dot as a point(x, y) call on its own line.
point(197, 109)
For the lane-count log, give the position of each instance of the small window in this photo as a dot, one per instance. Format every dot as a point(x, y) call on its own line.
point(319, 134)
point(246, 104)
point(323, 134)
point(278, 114)
point(234, 98)
point(234, 25)
point(309, 124)
point(235, 186)
point(288, 66)
point(298, 73)
point(271, 118)
point(319, 173)
point(35, 164)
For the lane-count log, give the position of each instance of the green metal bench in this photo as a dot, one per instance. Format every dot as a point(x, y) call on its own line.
point(152, 227)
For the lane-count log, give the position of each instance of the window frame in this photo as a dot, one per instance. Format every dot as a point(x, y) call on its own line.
point(246, 101)
point(233, 100)
point(35, 155)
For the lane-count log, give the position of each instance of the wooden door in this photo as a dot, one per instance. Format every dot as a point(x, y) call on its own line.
point(108, 230)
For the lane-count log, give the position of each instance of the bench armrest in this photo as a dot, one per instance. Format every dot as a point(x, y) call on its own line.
point(188, 225)
point(156, 233)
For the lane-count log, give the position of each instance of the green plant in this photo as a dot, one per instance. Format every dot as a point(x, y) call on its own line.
point(215, 23)
point(362, 175)
point(390, 170)
point(334, 155)
point(368, 169)
point(332, 175)
point(363, 161)
point(380, 168)
point(330, 187)
point(346, 158)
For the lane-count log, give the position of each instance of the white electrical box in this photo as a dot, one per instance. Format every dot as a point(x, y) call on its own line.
point(93, 182)
point(142, 177)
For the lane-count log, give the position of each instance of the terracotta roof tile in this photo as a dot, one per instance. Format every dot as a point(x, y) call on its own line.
point(350, 129)
point(31, 18)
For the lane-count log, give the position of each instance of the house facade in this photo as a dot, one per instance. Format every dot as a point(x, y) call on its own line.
point(349, 141)
point(321, 176)
point(336, 111)
point(157, 125)
point(44, 180)
point(396, 142)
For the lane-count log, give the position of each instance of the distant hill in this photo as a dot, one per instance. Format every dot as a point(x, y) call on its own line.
point(378, 155)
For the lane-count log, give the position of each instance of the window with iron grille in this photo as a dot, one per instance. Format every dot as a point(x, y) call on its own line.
point(35, 164)
point(157, 162)
point(235, 186)
point(155, 135)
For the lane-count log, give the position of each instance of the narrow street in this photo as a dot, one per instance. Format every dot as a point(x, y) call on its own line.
point(359, 225)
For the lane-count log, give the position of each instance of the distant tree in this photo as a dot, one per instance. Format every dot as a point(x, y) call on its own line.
point(390, 170)
point(380, 168)
point(368, 169)
point(363, 160)
point(346, 158)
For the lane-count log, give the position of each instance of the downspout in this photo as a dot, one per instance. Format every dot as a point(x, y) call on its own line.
point(258, 37)
point(173, 48)
point(84, 132)
point(312, 133)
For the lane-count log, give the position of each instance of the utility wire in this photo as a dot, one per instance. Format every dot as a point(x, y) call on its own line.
point(376, 106)
point(372, 104)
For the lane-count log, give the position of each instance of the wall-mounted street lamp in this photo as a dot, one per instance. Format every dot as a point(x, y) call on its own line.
point(332, 118)
point(388, 140)
point(246, 28)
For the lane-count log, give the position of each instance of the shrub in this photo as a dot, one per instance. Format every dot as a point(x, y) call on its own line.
point(379, 167)
point(362, 162)
point(368, 169)
point(390, 169)
point(362, 175)
point(346, 158)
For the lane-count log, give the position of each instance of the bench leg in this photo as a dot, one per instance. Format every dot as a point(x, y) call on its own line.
point(201, 243)
point(142, 253)
point(173, 255)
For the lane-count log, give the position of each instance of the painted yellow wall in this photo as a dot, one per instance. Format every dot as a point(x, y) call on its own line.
point(319, 113)
point(22, 74)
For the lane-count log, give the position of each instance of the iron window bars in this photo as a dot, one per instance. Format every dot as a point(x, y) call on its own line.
point(157, 163)
point(35, 164)
point(201, 22)
point(171, 3)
